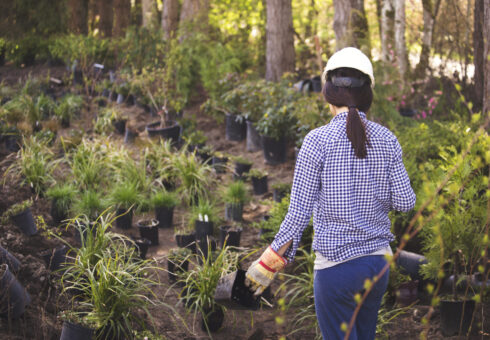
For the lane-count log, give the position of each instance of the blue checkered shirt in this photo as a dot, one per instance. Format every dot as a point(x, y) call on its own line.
point(349, 197)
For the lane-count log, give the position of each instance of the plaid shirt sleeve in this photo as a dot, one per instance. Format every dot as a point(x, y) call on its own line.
point(304, 192)
point(402, 195)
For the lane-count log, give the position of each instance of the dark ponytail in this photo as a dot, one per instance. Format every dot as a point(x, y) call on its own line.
point(355, 98)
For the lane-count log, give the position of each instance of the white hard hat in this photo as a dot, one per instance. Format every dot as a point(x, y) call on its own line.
point(349, 57)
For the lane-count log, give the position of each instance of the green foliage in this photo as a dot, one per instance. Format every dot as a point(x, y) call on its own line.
point(90, 204)
point(16, 209)
point(235, 193)
point(142, 47)
point(310, 113)
point(62, 195)
point(204, 210)
point(24, 51)
point(276, 216)
point(69, 107)
point(257, 173)
point(164, 198)
point(125, 195)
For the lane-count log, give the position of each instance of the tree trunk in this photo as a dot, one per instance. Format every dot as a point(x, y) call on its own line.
point(379, 5)
point(400, 44)
point(280, 39)
point(147, 11)
point(479, 48)
point(195, 11)
point(137, 13)
point(486, 56)
point(106, 16)
point(122, 16)
point(350, 25)
point(78, 16)
point(170, 17)
point(387, 31)
point(430, 9)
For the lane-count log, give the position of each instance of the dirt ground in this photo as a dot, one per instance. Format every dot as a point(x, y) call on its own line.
point(41, 321)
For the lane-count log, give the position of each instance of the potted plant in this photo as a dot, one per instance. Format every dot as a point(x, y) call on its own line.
point(220, 162)
point(177, 263)
point(130, 134)
point(21, 215)
point(75, 327)
point(195, 140)
point(205, 153)
point(149, 229)
point(204, 216)
point(68, 108)
point(166, 129)
point(125, 197)
point(164, 203)
point(242, 166)
point(62, 197)
point(280, 190)
point(14, 297)
point(259, 181)
point(185, 236)
point(229, 235)
point(235, 196)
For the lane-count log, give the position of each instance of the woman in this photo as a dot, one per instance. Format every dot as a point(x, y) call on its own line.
point(349, 174)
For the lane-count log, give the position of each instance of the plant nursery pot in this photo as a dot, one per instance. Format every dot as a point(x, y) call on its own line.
point(204, 156)
point(240, 170)
point(455, 314)
point(10, 260)
point(142, 245)
point(274, 150)
point(124, 219)
point(219, 164)
point(186, 241)
point(407, 112)
point(236, 129)
point(203, 229)
point(254, 142)
point(55, 258)
point(120, 126)
point(259, 185)
point(106, 93)
point(113, 96)
point(213, 320)
point(25, 221)
point(71, 331)
point(65, 122)
point(57, 214)
point(78, 77)
point(233, 212)
point(174, 268)
point(172, 132)
point(410, 263)
point(12, 142)
point(165, 216)
point(278, 195)
point(233, 235)
point(232, 293)
point(407, 293)
point(130, 100)
point(129, 136)
point(149, 230)
point(13, 296)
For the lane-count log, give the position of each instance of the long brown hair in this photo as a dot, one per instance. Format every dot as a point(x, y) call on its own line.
point(355, 98)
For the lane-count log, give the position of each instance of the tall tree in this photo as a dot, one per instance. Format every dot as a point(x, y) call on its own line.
point(400, 43)
point(122, 15)
point(78, 16)
point(195, 11)
point(170, 17)
point(479, 50)
point(106, 17)
point(387, 30)
point(430, 8)
point(147, 11)
point(486, 56)
point(279, 39)
point(350, 25)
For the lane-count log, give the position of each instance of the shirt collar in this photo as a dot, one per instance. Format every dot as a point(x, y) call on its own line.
point(343, 115)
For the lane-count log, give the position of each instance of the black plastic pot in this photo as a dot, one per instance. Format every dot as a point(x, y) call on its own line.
point(240, 170)
point(186, 241)
point(124, 219)
point(149, 230)
point(106, 93)
point(259, 185)
point(213, 319)
point(174, 268)
point(78, 77)
point(203, 229)
point(219, 164)
point(231, 235)
point(57, 214)
point(204, 156)
point(274, 150)
point(172, 132)
point(410, 264)
point(55, 258)
point(233, 212)
point(407, 112)
point(71, 331)
point(113, 96)
point(254, 142)
point(456, 316)
point(142, 245)
point(165, 216)
point(278, 195)
point(120, 126)
point(129, 136)
point(236, 129)
point(12, 142)
point(65, 122)
point(10, 260)
point(13, 296)
point(407, 293)
point(232, 293)
point(130, 100)
point(25, 221)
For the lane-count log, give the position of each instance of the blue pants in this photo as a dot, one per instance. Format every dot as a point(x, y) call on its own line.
point(334, 290)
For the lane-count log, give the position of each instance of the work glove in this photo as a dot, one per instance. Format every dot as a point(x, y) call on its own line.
point(260, 274)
